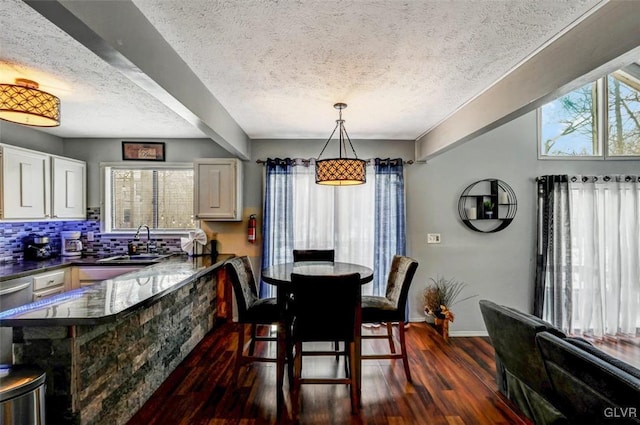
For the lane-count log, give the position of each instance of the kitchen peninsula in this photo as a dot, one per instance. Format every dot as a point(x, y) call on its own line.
point(107, 347)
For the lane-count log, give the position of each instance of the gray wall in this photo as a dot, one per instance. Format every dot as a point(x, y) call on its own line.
point(29, 138)
point(497, 266)
point(95, 151)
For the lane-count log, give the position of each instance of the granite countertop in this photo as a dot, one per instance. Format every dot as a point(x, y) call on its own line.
point(110, 299)
point(19, 269)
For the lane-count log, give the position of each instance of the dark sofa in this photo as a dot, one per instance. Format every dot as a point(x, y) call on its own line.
point(555, 379)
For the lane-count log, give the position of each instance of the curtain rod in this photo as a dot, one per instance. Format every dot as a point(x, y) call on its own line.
point(368, 161)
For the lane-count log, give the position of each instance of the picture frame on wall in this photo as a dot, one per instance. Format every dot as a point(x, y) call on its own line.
point(143, 151)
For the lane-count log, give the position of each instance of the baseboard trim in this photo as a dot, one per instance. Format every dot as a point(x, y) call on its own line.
point(454, 334)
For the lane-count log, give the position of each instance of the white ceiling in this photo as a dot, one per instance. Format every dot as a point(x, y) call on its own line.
point(277, 67)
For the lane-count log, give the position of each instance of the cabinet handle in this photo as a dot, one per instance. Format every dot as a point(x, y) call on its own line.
point(15, 289)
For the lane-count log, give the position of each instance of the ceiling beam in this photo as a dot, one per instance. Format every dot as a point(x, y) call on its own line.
point(120, 34)
point(601, 43)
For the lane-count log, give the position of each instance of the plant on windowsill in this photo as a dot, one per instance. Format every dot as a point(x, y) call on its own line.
point(488, 208)
point(439, 296)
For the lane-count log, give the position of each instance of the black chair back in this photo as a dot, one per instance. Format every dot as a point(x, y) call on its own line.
point(325, 308)
point(314, 255)
point(244, 284)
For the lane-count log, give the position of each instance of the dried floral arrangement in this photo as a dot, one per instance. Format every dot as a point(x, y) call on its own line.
point(440, 295)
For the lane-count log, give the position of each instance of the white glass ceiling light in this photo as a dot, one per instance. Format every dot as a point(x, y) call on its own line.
point(341, 171)
point(23, 103)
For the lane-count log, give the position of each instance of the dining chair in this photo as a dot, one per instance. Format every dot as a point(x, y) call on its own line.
point(391, 308)
point(314, 255)
point(251, 310)
point(311, 323)
point(300, 255)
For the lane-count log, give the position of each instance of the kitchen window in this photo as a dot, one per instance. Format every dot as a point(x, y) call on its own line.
point(600, 120)
point(158, 196)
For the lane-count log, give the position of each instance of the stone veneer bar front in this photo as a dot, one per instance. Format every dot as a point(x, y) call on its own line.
point(107, 347)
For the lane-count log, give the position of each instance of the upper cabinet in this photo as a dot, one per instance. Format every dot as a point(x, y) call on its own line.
point(218, 189)
point(68, 178)
point(25, 184)
point(39, 186)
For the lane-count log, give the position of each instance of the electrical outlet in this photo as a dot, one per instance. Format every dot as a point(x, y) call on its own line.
point(90, 236)
point(433, 237)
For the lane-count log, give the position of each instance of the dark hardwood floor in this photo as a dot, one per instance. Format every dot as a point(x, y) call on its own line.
point(453, 384)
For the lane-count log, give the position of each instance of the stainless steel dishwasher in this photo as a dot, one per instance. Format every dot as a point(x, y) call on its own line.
point(13, 293)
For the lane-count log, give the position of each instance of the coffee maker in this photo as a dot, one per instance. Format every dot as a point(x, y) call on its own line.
point(71, 244)
point(36, 247)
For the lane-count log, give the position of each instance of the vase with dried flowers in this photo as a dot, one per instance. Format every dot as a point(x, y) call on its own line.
point(439, 296)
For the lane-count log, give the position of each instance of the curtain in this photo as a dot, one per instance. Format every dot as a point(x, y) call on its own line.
point(328, 217)
point(277, 217)
point(390, 219)
point(606, 238)
point(588, 263)
point(365, 224)
point(553, 281)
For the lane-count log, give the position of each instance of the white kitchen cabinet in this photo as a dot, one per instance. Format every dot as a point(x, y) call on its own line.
point(68, 194)
point(218, 189)
point(25, 184)
point(50, 283)
point(39, 186)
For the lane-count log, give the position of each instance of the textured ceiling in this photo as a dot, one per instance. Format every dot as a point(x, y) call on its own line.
point(279, 66)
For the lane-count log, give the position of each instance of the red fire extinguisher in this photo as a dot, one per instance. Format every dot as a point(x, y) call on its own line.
point(251, 232)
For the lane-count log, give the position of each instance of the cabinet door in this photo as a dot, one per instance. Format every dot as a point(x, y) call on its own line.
point(25, 183)
point(68, 188)
point(218, 189)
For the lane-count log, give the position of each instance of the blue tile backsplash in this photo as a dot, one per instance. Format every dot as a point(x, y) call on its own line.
point(13, 233)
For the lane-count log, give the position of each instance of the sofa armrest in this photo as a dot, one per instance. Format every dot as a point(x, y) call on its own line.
point(589, 388)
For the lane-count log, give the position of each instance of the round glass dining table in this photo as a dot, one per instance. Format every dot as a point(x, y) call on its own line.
point(280, 274)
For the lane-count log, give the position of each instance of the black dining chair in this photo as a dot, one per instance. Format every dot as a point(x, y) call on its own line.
point(314, 255)
point(300, 255)
point(390, 309)
point(251, 310)
point(311, 323)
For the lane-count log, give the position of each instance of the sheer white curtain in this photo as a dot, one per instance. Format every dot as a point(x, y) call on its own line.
point(605, 230)
point(342, 218)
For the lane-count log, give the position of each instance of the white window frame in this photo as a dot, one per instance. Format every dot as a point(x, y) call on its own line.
point(105, 195)
point(602, 124)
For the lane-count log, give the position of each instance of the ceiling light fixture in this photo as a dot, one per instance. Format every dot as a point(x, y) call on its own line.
point(340, 171)
point(23, 103)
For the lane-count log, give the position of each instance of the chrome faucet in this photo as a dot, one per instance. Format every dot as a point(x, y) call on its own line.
point(136, 237)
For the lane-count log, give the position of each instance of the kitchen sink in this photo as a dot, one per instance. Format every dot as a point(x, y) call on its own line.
point(141, 258)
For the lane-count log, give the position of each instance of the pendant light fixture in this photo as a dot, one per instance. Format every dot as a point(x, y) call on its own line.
point(23, 103)
point(341, 171)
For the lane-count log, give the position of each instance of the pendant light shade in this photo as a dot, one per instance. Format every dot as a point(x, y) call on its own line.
point(341, 171)
point(23, 103)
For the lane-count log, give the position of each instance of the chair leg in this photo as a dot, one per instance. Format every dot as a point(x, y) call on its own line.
point(252, 344)
point(403, 347)
point(297, 375)
point(392, 346)
point(239, 352)
point(355, 402)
